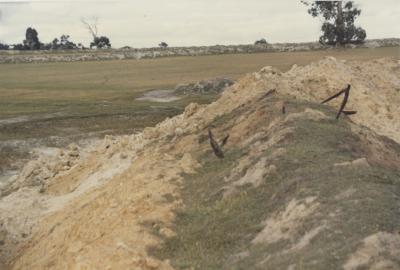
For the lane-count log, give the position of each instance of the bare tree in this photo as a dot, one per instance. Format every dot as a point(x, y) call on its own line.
point(99, 42)
point(91, 26)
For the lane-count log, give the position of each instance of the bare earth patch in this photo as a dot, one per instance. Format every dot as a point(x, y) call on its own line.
point(377, 251)
point(283, 225)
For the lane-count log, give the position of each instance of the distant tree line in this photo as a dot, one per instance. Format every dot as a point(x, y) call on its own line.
point(338, 29)
point(32, 42)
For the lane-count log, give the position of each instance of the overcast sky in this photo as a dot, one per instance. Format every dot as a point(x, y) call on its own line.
point(144, 23)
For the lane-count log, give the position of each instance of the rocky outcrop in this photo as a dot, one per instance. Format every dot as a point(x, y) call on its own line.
point(130, 53)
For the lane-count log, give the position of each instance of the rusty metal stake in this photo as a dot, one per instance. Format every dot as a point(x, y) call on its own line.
point(225, 140)
point(349, 112)
point(270, 92)
point(346, 98)
point(334, 96)
point(215, 146)
point(346, 93)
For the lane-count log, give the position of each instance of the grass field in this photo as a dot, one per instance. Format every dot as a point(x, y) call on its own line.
point(83, 87)
point(47, 100)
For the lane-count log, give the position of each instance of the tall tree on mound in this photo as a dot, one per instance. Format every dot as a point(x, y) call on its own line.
point(338, 27)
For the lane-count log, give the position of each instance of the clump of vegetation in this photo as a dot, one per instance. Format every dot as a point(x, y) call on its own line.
point(262, 41)
point(64, 44)
point(100, 43)
point(4, 46)
point(163, 45)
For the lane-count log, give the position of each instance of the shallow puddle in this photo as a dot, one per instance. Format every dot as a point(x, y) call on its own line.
point(159, 96)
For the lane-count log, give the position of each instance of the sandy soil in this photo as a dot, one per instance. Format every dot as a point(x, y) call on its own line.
point(375, 88)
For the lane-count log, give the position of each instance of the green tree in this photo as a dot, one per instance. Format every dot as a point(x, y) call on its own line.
point(62, 44)
point(55, 44)
point(66, 44)
point(100, 42)
point(19, 47)
point(4, 46)
point(338, 27)
point(163, 45)
point(262, 41)
point(31, 41)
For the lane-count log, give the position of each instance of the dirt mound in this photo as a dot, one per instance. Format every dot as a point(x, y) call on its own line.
point(375, 89)
point(290, 188)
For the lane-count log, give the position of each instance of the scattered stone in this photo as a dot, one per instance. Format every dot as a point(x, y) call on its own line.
point(270, 70)
point(152, 264)
point(166, 232)
point(204, 87)
point(145, 53)
point(178, 132)
point(73, 147)
point(74, 154)
point(191, 109)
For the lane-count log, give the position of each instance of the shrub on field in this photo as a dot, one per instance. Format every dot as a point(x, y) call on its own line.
point(101, 43)
point(163, 45)
point(4, 46)
point(261, 42)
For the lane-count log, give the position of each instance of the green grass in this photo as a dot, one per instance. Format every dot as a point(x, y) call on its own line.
point(211, 230)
